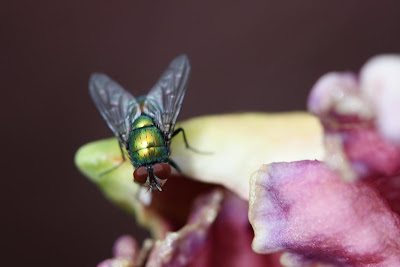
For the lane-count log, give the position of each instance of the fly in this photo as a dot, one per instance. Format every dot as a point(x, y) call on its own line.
point(144, 126)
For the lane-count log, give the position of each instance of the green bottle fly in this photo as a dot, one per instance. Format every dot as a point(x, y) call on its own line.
point(144, 126)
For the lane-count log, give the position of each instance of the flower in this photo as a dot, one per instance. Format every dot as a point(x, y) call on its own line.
point(327, 191)
point(343, 211)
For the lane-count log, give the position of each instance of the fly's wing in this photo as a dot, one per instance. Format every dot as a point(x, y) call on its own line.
point(117, 107)
point(164, 100)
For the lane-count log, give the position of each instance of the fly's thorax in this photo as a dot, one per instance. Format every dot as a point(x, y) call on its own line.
point(146, 143)
point(141, 122)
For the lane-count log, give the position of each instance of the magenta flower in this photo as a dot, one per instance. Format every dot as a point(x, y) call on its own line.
point(329, 191)
point(344, 211)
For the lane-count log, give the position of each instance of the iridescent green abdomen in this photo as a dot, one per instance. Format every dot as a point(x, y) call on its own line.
point(146, 143)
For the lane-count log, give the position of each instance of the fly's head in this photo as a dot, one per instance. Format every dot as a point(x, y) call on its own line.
point(153, 176)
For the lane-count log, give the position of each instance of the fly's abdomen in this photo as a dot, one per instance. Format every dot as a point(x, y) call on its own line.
point(146, 144)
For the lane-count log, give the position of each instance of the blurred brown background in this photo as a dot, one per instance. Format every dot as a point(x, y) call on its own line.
point(245, 55)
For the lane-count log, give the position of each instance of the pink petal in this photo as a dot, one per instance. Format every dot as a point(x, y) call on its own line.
point(337, 94)
point(230, 239)
point(126, 247)
point(354, 144)
point(180, 248)
point(389, 188)
point(380, 83)
point(125, 252)
point(370, 154)
point(307, 209)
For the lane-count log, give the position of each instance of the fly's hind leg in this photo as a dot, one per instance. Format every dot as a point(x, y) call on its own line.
point(119, 164)
point(177, 131)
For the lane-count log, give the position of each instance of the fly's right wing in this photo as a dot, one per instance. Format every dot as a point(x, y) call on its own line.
point(117, 107)
point(164, 100)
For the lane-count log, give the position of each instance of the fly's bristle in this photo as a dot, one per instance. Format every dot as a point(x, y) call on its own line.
point(158, 187)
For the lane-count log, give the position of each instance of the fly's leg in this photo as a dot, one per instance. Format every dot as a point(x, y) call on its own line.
point(119, 164)
point(177, 131)
point(173, 164)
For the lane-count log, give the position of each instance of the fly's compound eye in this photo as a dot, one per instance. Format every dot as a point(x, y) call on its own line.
point(140, 175)
point(162, 170)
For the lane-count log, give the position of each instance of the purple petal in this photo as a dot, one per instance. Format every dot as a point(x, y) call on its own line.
point(307, 209)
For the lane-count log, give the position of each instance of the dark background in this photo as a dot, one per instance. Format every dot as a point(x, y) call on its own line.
point(245, 55)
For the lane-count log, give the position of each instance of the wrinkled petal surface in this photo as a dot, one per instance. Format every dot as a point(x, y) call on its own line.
point(306, 209)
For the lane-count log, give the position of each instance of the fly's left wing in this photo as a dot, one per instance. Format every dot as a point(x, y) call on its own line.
point(164, 100)
point(117, 107)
